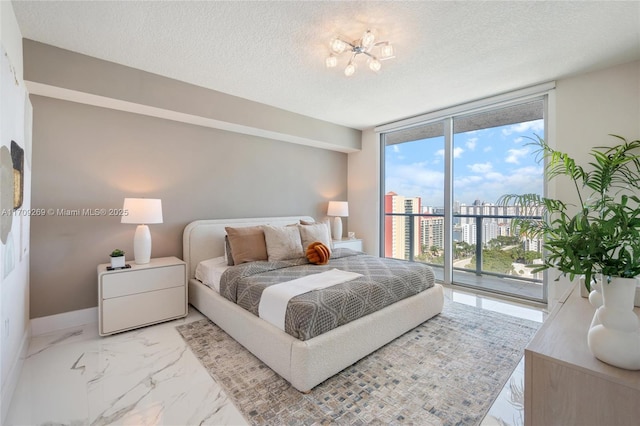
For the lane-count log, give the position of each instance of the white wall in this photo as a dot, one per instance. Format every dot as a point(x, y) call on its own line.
point(363, 182)
point(589, 107)
point(14, 288)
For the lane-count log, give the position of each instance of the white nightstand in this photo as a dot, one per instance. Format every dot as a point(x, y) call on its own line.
point(354, 244)
point(141, 295)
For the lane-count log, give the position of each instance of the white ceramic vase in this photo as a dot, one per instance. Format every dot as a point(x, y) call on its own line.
point(614, 336)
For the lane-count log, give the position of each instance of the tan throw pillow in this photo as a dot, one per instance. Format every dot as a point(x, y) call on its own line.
point(317, 232)
point(283, 242)
point(247, 244)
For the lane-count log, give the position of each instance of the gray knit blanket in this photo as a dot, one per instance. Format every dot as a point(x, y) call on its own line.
point(383, 282)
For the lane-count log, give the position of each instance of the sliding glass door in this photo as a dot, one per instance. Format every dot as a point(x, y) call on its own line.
point(442, 181)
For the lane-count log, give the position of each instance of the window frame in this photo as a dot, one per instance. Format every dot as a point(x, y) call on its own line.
point(544, 92)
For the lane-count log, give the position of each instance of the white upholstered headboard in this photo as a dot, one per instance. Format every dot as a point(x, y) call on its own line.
point(204, 239)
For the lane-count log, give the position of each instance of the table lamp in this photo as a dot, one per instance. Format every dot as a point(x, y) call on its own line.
point(142, 211)
point(339, 209)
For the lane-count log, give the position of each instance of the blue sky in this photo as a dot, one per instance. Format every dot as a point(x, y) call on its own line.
point(487, 164)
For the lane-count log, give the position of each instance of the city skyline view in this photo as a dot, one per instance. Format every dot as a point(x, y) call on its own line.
point(487, 164)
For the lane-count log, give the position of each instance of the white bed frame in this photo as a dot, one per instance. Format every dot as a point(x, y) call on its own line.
point(304, 364)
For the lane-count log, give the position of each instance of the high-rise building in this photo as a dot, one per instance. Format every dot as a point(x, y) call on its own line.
point(468, 233)
point(399, 240)
point(432, 231)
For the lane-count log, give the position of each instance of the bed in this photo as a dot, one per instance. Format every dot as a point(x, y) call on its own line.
point(303, 363)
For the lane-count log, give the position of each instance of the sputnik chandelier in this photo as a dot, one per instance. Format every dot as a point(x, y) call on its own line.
point(366, 45)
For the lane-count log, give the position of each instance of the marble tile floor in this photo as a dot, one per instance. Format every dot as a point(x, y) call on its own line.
point(148, 376)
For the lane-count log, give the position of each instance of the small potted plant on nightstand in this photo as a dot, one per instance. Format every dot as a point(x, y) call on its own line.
point(117, 258)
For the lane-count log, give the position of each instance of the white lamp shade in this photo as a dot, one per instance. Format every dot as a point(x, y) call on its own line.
point(338, 208)
point(142, 210)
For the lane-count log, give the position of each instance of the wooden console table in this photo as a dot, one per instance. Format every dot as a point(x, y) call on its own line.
point(565, 384)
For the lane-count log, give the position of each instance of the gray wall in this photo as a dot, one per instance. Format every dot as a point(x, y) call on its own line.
point(87, 157)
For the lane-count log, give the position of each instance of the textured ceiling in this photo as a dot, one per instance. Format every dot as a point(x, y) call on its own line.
point(273, 52)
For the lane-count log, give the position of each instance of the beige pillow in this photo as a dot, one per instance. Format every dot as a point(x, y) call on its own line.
point(283, 242)
point(247, 244)
point(315, 232)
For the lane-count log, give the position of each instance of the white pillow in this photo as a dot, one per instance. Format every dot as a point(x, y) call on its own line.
point(315, 232)
point(283, 242)
point(209, 271)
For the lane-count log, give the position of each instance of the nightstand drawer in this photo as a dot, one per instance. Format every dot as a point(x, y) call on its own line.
point(134, 282)
point(121, 313)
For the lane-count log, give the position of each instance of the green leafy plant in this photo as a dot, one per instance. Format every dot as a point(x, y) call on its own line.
point(602, 233)
point(117, 253)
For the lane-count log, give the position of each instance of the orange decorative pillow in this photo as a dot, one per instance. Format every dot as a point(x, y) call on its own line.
point(318, 253)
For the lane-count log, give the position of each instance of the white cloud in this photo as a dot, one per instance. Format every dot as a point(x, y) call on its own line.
point(457, 152)
point(481, 167)
point(471, 143)
point(527, 126)
point(416, 180)
point(467, 181)
point(491, 186)
point(495, 176)
point(487, 149)
point(396, 148)
point(515, 155)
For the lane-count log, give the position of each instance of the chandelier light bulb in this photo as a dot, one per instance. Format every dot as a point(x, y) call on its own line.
point(374, 64)
point(367, 39)
point(350, 69)
point(337, 46)
point(386, 51)
point(331, 61)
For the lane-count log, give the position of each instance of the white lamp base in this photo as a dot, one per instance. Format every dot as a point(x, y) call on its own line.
point(337, 228)
point(142, 245)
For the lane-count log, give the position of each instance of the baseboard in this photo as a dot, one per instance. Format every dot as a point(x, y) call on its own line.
point(9, 386)
point(57, 322)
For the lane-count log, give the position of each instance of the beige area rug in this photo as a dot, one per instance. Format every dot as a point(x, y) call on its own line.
point(448, 370)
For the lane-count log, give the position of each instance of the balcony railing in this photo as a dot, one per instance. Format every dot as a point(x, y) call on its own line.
point(529, 287)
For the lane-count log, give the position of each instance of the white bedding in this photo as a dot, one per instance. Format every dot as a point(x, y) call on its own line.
point(275, 298)
point(209, 271)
